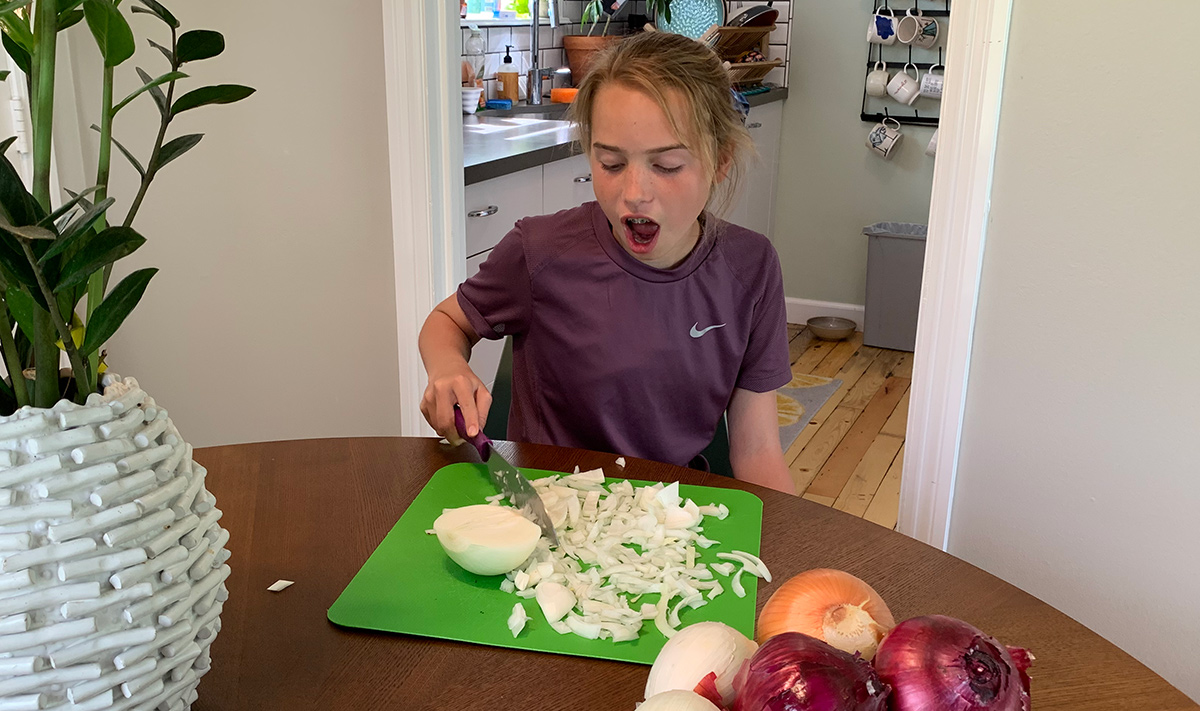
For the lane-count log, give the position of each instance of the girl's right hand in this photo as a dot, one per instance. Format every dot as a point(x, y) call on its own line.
point(459, 386)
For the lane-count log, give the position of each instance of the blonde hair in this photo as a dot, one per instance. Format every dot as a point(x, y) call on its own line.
point(657, 64)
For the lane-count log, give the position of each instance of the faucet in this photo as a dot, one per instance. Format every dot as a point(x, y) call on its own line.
point(536, 72)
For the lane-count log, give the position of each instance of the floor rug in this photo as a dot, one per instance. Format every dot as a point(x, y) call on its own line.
point(798, 401)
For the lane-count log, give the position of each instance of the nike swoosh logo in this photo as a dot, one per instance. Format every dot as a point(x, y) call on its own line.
point(698, 333)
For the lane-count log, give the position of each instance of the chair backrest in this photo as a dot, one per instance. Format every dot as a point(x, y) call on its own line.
point(716, 454)
point(496, 426)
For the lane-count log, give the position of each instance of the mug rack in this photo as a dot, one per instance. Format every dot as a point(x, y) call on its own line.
point(894, 56)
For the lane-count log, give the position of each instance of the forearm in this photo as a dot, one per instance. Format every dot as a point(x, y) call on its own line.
point(765, 469)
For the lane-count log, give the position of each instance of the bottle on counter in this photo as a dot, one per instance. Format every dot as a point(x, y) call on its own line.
point(509, 77)
point(473, 56)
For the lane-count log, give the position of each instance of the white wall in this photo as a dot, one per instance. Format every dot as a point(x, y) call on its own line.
point(273, 314)
point(831, 186)
point(1078, 472)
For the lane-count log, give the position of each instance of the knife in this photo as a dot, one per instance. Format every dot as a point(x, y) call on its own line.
point(511, 482)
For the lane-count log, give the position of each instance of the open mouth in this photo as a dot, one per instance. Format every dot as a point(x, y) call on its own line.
point(640, 233)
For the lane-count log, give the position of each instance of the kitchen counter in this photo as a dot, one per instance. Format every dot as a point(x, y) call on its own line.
point(498, 143)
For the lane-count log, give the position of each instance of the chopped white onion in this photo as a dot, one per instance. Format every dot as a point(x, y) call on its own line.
point(633, 541)
point(517, 620)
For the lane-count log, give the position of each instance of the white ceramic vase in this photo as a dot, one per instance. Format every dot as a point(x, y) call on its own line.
point(112, 561)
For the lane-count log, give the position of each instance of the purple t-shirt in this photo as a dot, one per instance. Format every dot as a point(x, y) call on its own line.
point(611, 354)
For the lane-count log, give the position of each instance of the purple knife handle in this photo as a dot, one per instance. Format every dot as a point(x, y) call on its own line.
point(479, 441)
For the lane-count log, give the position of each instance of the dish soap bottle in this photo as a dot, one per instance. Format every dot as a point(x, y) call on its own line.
point(509, 77)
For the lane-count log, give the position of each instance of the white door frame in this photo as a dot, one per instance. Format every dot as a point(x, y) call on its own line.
point(421, 50)
point(958, 216)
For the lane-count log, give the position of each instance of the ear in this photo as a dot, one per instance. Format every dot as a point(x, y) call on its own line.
point(724, 165)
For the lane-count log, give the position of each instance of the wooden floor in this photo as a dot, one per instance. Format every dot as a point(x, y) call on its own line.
point(851, 454)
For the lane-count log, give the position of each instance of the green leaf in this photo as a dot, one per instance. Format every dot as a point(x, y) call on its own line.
point(17, 25)
point(20, 207)
point(111, 313)
point(79, 228)
point(156, 8)
point(69, 19)
point(111, 30)
point(65, 7)
point(216, 94)
point(129, 156)
point(76, 198)
point(168, 77)
point(6, 143)
point(13, 259)
point(166, 52)
point(18, 53)
point(26, 231)
point(97, 253)
point(195, 45)
point(159, 97)
point(176, 147)
point(4, 74)
point(15, 5)
point(125, 152)
point(20, 305)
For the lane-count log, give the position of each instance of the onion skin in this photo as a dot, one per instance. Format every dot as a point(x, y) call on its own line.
point(831, 605)
point(939, 663)
point(796, 672)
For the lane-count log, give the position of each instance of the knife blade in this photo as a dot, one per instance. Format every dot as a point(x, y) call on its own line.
point(508, 479)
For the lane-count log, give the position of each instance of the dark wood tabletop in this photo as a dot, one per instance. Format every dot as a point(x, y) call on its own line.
point(313, 511)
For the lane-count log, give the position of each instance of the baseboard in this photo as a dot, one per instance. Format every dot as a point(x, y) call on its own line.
point(801, 310)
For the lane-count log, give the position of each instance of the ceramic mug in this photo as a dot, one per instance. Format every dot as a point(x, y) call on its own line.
point(917, 30)
point(882, 29)
point(884, 138)
point(931, 84)
point(877, 80)
point(931, 149)
point(905, 87)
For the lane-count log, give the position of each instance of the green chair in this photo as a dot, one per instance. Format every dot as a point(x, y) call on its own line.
point(716, 454)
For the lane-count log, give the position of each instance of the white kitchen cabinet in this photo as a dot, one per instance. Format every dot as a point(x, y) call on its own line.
point(755, 209)
point(494, 205)
point(566, 183)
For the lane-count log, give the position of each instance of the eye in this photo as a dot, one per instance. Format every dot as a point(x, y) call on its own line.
point(668, 169)
point(612, 168)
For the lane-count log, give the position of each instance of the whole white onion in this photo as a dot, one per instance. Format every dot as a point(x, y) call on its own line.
point(697, 651)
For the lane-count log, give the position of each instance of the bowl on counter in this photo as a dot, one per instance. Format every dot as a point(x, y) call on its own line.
point(831, 328)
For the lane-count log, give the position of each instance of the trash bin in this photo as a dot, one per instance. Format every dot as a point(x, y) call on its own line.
point(895, 263)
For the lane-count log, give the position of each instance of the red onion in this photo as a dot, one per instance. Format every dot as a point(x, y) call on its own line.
point(795, 672)
point(938, 663)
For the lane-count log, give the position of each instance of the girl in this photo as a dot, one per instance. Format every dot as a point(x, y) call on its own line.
point(640, 318)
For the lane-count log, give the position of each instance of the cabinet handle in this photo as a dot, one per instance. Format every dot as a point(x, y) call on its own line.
point(584, 178)
point(754, 125)
point(486, 212)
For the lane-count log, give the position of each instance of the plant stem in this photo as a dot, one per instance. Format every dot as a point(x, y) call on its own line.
point(98, 281)
point(45, 353)
point(83, 384)
point(11, 360)
point(152, 164)
point(46, 33)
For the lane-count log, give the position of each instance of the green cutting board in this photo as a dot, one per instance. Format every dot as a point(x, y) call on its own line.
point(410, 586)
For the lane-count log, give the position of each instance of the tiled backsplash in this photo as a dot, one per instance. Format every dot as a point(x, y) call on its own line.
point(550, 42)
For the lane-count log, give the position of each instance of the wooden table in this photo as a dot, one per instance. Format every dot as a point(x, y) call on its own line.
point(313, 511)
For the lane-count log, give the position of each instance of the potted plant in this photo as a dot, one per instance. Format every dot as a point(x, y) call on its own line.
point(581, 48)
point(111, 536)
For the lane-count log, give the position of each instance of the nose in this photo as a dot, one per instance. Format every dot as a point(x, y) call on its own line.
point(636, 190)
